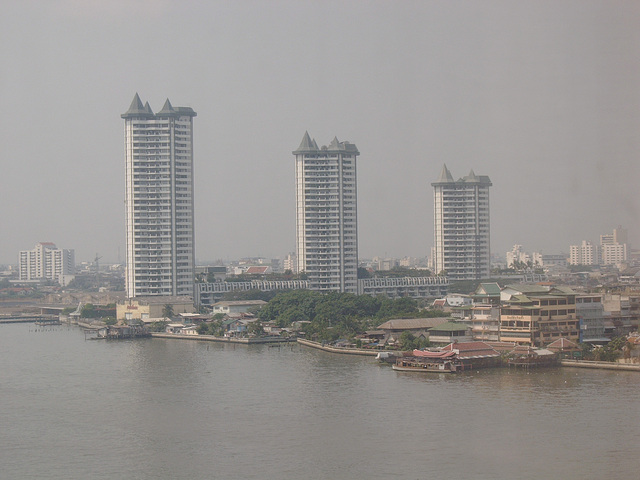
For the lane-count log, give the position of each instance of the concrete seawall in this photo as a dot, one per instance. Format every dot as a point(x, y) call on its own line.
point(601, 365)
point(345, 351)
point(211, 338)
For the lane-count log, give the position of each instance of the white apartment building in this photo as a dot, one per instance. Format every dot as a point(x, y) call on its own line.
point(549, 260)
point(326, 215)
point(614, 253)
point(461, 226)
point(517, 255)
point(290, 263)
point(619, 235)
point(584, 254)
point(159, 200)
point(613, 249)
point(46, 262)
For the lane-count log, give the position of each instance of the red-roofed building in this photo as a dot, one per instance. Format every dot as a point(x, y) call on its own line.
point(475, 354)
point(258, 270)
point(564, 347)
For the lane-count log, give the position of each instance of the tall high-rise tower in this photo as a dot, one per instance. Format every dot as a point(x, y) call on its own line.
point(461, 226)
point(327, 215)
point(159, 200)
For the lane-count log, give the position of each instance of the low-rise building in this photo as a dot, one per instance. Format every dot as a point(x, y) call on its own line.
point(419, 327)
point(485, 322)
point(450, 332)
point(487, 293)
point(229, 307)
point(142, 308)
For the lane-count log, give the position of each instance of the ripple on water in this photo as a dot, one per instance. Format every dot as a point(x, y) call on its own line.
point(163, 409)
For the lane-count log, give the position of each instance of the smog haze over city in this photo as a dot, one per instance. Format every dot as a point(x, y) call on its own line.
point(541, 96)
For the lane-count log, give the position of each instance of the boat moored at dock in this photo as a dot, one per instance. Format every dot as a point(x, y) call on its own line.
point(425, 361)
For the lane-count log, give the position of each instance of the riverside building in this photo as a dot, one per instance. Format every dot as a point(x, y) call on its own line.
point(537, 315)
point(326, 215)
point(461, 226)
point(159, 200)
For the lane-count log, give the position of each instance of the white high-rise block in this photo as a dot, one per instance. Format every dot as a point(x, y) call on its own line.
point(160, 248)
point(461, 226)
point(327, 215)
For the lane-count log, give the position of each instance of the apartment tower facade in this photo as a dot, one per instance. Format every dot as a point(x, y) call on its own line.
point(461, 226)
point(160, 248)
point(46, 262)
point(327, 215)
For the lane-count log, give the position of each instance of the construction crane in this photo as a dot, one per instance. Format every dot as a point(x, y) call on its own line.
point(95, 262)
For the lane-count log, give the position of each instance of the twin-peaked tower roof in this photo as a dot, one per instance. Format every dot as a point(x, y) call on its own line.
point(138, 110)
point(309, 145)
point(326, 215)
point(446, 177)
point(160, 226)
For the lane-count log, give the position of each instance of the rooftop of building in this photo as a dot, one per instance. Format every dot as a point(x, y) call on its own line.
point(138, 110)
point(238, 303)
point(309, 145)
point(412, 323)
point(446, 178)
point(450, 327)
point(487, 289)
point(472, 349)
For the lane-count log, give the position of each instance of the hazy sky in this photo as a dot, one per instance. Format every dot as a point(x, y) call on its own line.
point(541, 96)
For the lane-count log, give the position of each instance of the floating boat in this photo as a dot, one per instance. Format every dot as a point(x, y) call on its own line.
point(424, 361)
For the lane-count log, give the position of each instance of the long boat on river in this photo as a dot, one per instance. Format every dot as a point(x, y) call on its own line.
point(429, 362)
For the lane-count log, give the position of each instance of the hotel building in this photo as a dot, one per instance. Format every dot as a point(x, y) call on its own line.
point(461, 226)
point(326, 215)
point(159, 200)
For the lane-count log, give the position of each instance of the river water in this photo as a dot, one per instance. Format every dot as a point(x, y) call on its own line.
point(72, 408)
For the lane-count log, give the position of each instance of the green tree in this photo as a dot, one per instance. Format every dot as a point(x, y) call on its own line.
point(88, 311)
point(363, 273)
point(204, 329)
point(255, 328)
point(159, 326)
point(167, 311)
point(407, 340)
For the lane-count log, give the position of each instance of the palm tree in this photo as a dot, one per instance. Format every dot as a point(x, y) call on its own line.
point(167, 311)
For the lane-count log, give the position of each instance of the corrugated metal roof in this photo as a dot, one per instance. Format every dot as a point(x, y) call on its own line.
point(412, 323)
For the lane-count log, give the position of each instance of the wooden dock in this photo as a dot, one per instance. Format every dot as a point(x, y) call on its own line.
point(44, 319)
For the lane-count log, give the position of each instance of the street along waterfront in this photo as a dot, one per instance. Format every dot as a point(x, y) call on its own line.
point(166, 409)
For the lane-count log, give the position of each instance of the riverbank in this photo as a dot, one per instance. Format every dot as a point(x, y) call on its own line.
point(600, 365)
point(212, 338)
point(346, 351)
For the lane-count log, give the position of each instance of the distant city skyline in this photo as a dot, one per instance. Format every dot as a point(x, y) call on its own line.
point(541, 97)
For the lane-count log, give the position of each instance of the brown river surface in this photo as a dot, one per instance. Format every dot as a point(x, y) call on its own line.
point(72, 408)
